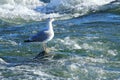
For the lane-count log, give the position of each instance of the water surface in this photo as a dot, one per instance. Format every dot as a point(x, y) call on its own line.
point(84, 47)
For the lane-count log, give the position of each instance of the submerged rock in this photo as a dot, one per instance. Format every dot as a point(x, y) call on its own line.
point(43, 55)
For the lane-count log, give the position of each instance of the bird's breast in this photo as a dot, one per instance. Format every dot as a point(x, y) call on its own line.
point(50, 35)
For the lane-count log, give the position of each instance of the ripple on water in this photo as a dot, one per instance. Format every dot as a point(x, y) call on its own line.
point(67, 43)
point(89, 54)
point(2, 61)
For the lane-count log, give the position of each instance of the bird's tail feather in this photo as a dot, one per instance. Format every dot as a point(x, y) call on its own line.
point(27, 40)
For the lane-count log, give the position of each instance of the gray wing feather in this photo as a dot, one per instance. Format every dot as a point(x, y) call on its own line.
point(40, 36)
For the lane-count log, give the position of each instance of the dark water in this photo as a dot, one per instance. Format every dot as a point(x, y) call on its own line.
point(84, 48)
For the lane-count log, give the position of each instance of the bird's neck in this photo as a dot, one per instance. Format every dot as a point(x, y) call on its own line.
point(49, 25)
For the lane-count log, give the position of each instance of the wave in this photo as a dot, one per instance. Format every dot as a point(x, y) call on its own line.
point(29, 10)
point(79, 7)
point(2, 62)
point(18, 9)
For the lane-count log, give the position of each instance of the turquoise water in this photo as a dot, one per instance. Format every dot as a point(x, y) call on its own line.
point(85, 46)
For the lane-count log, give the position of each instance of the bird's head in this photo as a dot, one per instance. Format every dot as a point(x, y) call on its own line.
point(51, 19)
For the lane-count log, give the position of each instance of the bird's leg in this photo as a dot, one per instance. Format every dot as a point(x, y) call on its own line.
point(43, 53)
point(45, 48)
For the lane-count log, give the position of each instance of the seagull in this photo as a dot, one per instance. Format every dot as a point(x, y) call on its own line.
point(44, 35)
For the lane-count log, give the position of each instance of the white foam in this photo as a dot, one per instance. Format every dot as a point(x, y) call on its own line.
point(12, 42)
point(38, 72)
point(73, 4)
point(112, 52)
point(79, 7)
point(73, 67)
point(69, 43)
point(87, 46)
point(2, 61)
point(99, 60)
point(8, 42)
point(19, 9)
point(30, 3)
point(25, 9)
point(31, 72)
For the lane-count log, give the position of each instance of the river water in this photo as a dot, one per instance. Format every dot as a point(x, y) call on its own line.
point(85, 46)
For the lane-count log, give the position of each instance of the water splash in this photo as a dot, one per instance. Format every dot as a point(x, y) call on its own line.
point(15, 11)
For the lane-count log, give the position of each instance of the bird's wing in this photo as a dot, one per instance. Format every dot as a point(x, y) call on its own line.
point(40, 36)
